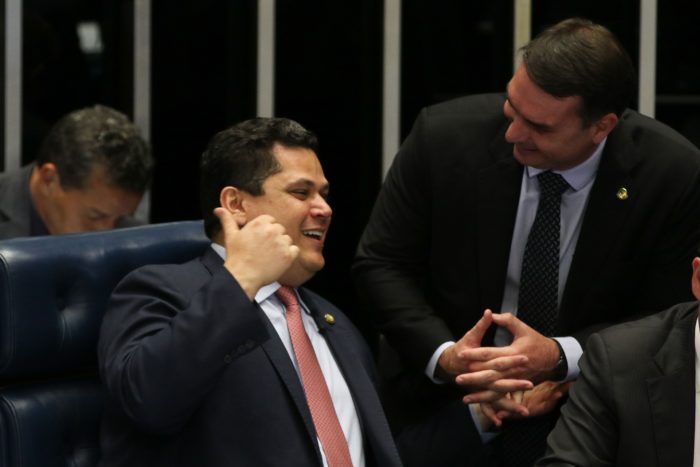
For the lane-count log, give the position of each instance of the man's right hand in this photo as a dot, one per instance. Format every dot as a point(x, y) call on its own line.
point(257, 252)
point(452, 362)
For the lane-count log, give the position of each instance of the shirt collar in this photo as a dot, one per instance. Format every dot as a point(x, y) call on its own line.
point(265, 291)
point(577, 177)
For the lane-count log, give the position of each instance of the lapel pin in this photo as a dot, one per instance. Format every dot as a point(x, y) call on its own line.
point(329, 318)
point(622, 194)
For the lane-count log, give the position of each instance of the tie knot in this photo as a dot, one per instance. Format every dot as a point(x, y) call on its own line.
point(287, 296)
point(552, 184)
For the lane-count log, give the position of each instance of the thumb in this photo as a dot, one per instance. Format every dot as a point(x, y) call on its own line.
point(508, 321)
point(228, 220)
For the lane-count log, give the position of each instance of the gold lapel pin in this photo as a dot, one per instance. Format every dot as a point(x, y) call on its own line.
point(622, 194)
point(329, 318)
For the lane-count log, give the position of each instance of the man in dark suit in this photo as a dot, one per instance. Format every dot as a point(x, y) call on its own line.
point(90, 174)
point(203, 362)
point(634, 402)
point(448, 232)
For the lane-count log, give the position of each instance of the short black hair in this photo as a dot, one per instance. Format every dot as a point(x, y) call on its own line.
point(577, 57)
point(98, 137)
point(242, 156)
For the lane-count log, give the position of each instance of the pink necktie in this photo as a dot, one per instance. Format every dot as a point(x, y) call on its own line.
point(335, 446)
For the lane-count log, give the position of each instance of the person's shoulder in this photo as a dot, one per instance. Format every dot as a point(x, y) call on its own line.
point(647, 131)
point(473, 104)
point(651, 331)
point(174, 276)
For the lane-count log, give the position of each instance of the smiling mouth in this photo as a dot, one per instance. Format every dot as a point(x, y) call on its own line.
point(315, 234)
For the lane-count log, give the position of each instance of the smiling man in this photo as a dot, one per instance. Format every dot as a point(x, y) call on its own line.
point(227, 359)
point(90, 174)
point(554, 205)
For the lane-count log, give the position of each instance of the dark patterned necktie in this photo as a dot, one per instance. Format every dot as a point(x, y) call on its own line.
point(523, 441)
point(539, 276)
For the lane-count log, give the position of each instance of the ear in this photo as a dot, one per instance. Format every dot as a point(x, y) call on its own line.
point(603, 127)
point(48, 176)
point(695, 281)
point(231, 199)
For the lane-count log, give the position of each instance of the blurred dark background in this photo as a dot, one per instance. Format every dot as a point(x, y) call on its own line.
point(328, 77)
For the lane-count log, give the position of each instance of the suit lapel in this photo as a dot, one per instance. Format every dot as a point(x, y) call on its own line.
point(604, 216)
point(498, 196)
point(672, 395)
point(375, 429)
point(279, 359)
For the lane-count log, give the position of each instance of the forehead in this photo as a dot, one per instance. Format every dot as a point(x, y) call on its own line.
point(536, 105)
point(100, 194)
point(298, 163)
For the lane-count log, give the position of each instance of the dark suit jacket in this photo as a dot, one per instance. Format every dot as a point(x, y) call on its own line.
point(435, 252)
point(634, 402)
point(15, 203)
point(196, 375)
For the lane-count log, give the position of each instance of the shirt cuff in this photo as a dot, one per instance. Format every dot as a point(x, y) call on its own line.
point(486, 436)
point(432, 363)
point(572, 352)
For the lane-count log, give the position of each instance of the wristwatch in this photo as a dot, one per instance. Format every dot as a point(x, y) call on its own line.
point(561, 369)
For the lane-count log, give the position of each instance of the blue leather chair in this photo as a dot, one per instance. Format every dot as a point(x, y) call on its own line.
point(53, 292)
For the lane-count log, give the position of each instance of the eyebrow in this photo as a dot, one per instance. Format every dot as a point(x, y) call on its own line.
point(309, 184)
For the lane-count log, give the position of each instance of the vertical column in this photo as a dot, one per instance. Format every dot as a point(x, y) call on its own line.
point(142, 83)
point(522, 27)
point(647, 57)
point(13, 84)
point(391, 105)
point(265, 104)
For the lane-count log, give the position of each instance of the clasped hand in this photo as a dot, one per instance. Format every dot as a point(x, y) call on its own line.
point(504, 380)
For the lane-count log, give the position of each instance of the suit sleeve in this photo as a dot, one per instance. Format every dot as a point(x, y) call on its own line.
point(161, 350)
point(586, 433)
point(392, 258)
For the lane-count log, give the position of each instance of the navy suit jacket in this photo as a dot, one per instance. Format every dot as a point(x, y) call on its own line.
point(196, 375)
point(634, 403)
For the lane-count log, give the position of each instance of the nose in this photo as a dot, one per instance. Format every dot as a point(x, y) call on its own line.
point(321, 208)
point(516, 132)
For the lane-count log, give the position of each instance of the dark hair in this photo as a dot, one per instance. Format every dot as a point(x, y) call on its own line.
point(94, 137)
point(241, 156)
point(577, 57)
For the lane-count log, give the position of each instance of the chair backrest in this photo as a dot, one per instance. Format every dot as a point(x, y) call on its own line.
point(53, 292)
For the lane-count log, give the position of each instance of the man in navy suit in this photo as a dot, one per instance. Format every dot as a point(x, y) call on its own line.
point(199, 364)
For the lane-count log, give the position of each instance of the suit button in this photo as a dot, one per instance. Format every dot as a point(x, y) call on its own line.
point(227, 358)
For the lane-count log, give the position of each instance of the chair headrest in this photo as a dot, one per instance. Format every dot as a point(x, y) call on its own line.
point(53, 290)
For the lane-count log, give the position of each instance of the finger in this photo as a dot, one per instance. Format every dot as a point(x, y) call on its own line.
point(478, 379)
point(490, 413)
point(476, 333)
point(508, 321)
point(517, 396)
point(512, 407)
point(515, 386)
point(484, 354)
point(482, 396)
point(294, 251)
point(499, 363)
point(227, 219)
